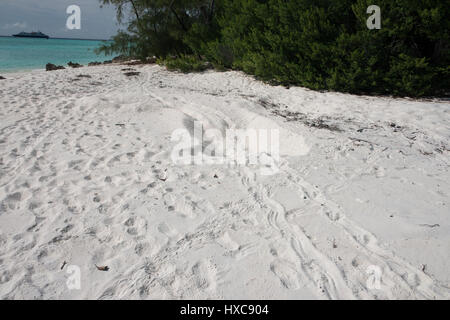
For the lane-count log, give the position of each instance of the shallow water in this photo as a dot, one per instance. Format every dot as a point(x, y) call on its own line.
point(28, 53)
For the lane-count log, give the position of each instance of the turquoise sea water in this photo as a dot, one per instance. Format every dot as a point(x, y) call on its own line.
point(18, 54)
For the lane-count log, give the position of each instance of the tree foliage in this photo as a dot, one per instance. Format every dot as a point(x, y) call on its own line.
point(319, 44)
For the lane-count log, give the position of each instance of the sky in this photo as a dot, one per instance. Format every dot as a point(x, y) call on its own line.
point(49, 17)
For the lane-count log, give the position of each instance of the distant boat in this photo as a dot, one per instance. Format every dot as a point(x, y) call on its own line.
point(31, 35)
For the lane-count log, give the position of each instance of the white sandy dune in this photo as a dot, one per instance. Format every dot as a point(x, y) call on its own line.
point(359, 208)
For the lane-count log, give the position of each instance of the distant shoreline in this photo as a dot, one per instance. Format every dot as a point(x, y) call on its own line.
point(17, 54)
point(60, 38)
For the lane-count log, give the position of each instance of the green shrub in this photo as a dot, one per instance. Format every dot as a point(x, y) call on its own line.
point(185, 64)
point(319, 44)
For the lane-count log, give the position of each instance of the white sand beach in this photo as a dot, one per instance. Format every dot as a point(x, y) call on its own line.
point(358, 208)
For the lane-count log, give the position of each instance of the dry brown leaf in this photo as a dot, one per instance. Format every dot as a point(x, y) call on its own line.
point(104, 268)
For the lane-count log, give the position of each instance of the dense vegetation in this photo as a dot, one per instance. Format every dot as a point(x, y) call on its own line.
point(319, 44)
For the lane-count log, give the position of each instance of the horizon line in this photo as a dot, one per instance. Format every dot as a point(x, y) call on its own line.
point(58, 38)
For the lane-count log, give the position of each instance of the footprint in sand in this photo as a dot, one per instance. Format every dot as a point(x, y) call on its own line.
point(169, 200)
point(12, 200)
point(182, 205)
point(287, 274)
point(379, 172)
point(136, 226)
point(204, 273)
point(167, 230)
point(227, 243)
point(76, 165)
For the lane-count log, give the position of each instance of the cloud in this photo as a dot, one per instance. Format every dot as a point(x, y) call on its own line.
point(16, 25)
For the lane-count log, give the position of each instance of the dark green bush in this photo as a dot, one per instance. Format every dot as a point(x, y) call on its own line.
point(327, 45)
point(185, 64)
point(319, 44)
